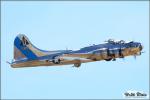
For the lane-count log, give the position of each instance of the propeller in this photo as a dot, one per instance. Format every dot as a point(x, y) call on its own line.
point(108, 52)
point(142, 52)
point(120, 52)
point(139, 53)
point(135, 57)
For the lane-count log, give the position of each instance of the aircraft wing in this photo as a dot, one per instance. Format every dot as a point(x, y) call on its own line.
point(80, 56)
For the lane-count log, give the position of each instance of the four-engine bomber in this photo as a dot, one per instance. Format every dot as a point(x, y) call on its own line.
point(27, 55)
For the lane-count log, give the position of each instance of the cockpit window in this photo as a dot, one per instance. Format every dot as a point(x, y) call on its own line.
point(116, 42)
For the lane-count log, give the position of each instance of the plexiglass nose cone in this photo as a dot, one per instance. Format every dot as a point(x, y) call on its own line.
point(141, 47)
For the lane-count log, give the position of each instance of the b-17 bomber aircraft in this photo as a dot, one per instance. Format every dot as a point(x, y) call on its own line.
point(27, 55)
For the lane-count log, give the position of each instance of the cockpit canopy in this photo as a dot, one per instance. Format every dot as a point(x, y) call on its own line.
point(112, 41)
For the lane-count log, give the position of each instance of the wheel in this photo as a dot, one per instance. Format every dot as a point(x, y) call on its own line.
point(77, 64)
point(108, 59)
point(114, 59)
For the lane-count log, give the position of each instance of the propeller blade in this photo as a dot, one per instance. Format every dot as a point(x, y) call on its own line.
point(143, 52)
point(135, 57)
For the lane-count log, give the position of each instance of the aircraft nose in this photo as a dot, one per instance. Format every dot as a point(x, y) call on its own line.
point(140, 47)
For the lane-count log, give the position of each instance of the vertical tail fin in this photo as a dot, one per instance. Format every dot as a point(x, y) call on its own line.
point(24, 49)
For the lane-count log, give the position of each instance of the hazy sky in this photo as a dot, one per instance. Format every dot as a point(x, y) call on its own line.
point(73, 25)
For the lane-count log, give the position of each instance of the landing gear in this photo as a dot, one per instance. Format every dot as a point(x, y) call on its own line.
point(114, 59)
point(77, 65)
point(56, 61)
point(108, 59)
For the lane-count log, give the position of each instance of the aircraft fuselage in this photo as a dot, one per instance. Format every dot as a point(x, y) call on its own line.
point(107, 51)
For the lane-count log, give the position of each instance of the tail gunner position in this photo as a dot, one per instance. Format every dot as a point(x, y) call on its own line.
point(27, 55)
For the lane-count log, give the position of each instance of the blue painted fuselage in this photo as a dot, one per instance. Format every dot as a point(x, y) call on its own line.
point(27, 55)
